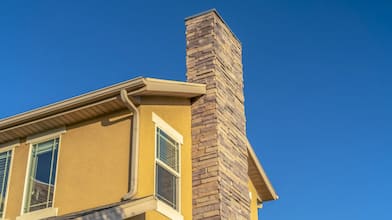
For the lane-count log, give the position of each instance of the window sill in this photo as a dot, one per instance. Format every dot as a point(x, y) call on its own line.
point(39, 214)
point(168, 211)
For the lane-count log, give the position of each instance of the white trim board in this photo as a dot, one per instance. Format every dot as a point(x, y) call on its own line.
point(137, 207)
point(39, 214)
point(168, 211)
point(47, 135)
point(9, 145)
point(167, 128)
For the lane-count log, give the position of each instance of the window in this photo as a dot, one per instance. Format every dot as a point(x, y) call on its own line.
point(5, 160)
point(41, 175)
point(167, 168)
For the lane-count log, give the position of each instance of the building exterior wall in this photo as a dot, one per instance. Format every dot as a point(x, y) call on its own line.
point(176, 113)
point(93, 164)
point(16, 182)
point(253, 201)
point(149, 215)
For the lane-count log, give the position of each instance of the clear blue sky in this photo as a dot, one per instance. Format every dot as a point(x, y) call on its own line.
point(318, 78)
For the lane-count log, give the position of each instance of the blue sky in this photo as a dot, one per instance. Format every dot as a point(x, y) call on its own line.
point(318, 78)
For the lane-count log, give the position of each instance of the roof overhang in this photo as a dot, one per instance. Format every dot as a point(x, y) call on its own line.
point(124, 210)
point(91, 105)
point(259, 178)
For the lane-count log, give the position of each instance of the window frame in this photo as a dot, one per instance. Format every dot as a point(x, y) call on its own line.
point(9, 146)
point(167, 168)
point(31, 141)
point(177, 137)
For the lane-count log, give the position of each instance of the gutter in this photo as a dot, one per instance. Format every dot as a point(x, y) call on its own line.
point(71, 104)
point(134, 146)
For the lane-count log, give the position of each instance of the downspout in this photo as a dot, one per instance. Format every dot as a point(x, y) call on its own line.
point(135, 145)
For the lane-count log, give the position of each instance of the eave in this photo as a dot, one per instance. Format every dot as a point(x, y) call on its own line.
point(91, 105)
point(259, 178)
point(123, 210)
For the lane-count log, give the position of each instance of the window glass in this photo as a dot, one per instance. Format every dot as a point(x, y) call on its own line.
point(167, 186)
point(5, 160)
point(167, 168)
point(42, 175)
point(167, 150)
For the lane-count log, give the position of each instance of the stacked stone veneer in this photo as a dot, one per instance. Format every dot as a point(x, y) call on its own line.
point(219, 154)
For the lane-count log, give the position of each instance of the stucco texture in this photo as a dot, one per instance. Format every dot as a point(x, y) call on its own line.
point(93, 164)
point(253, 202)
point(177, 114)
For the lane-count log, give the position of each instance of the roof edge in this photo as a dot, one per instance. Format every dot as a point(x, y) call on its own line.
point(79, 100)
point(152, 86)
point(262, 173)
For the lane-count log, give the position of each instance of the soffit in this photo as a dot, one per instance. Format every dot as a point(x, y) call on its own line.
point(91, 105)
point(259, 178)
point(60, 119)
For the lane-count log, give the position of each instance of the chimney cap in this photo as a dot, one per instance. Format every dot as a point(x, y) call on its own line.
point(213, 10)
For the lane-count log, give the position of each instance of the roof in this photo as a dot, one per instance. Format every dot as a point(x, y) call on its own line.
point(91, 105)
point(118, 210)
point(259, 178)
point(106, 100)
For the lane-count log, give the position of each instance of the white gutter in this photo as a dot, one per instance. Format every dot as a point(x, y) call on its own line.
point(134, 146)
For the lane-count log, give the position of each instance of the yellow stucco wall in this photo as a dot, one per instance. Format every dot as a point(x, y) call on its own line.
point(177, 116)
point(152, 215)
point(16, 181)
point(93, 164)
point(253, 202)
point(149, 215)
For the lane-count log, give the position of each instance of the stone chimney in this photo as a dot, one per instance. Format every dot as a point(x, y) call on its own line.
point(219, 154)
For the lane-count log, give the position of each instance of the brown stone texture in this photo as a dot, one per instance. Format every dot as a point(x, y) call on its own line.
point(219, 152)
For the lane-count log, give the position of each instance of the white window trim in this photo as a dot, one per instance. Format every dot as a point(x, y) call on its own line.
point(9, 146)
point(164, 126)
point(31, 140)
point(167, 128)
point(39, 214)
point(168, 168)
point(168, 211)
point(44, 136)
